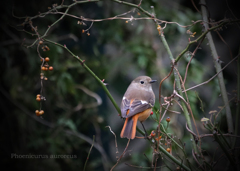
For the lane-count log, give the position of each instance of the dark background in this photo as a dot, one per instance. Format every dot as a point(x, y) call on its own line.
point(117, 52)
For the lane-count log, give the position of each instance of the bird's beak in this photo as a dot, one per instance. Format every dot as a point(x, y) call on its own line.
point(152, 81)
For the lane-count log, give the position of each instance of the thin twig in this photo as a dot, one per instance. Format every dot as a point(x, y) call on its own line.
point(121, 155)
point(160, 85)
point(147, 159)
point(115, 141)
point(223, 107)
point(211, 135)
point(193, 54)
point(89, 153)
point(197, 160)
point(178, 104)
point(212, 76)
point(171, 111)
point(165, 112)
point(222, 23)
point(92, 94)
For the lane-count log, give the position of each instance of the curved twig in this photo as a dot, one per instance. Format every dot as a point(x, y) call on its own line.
point(121, 155)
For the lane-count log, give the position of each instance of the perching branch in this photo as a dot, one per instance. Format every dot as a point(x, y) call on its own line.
point(82, 62)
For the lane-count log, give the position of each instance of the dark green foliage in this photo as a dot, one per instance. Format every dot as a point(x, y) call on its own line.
point(115, 51)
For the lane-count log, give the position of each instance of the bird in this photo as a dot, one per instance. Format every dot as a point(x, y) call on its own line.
point(137, 104)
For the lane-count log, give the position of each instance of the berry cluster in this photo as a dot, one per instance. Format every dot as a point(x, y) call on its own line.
point(44, 67)
point(39, 98)
point(39, 113)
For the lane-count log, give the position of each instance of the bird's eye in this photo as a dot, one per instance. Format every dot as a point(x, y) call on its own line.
point(142, 82)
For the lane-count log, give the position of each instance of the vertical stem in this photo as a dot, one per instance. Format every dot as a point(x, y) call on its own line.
point(179, 90)
point(238, 110)
point(238, 95)
point(225, 150)
point(218, 68)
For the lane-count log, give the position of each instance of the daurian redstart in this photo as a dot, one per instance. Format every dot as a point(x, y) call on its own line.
point(136, 105)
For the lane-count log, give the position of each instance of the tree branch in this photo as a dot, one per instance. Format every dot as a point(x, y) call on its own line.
point(218, 67)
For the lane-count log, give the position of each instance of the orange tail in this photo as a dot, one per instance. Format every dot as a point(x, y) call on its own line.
point(129, 127)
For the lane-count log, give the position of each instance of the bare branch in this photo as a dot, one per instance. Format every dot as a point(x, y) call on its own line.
point(212, 76)
point(115, 141)
point(121, 155)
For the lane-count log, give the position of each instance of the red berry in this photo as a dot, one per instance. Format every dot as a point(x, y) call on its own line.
point(168, 119)
point(153, 134)
point(50, 68)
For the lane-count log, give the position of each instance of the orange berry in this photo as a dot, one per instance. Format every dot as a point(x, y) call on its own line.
point(40, 42)
point(126, 21)
point(168, 150)
point(46, 68)
point(38, 99)
point(41, 112)
point(46, 78)
point(50, 68)
point(83, 31)
point(168, 119)
point(157, 139)
point(39, 95)
point(47, 59)
point(43, 68)
point(37, 112)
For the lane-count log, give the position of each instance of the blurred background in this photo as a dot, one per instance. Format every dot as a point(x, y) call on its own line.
point(76, 107)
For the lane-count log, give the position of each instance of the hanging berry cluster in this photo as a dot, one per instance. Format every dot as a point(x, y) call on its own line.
point(44, 67)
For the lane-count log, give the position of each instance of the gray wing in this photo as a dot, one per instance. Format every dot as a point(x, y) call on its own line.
point(134, 107)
